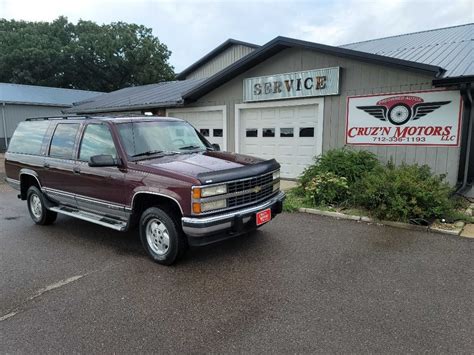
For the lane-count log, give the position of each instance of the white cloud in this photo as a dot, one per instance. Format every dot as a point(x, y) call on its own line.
point(354, 21)
point(193, 28)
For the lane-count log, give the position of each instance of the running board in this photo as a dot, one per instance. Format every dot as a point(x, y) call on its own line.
point(92, 217)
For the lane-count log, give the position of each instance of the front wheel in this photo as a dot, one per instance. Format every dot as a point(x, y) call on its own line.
point(38, 212)
point(161, 236)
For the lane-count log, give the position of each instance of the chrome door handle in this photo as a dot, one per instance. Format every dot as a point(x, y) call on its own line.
point(76, 170)
point(46, 165)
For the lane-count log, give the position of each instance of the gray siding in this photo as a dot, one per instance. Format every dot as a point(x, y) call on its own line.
point(357, 78)
point(14, 114)
point(221, 61)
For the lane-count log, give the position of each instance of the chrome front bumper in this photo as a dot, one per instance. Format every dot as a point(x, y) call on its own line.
point(232, 223)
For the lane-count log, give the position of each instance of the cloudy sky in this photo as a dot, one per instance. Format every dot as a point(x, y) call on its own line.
point(193, 28)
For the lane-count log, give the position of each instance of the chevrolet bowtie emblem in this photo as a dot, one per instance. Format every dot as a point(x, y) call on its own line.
point(257, 189)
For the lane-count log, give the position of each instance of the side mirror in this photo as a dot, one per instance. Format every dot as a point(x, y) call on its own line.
point(102, 160)
point(216, 147)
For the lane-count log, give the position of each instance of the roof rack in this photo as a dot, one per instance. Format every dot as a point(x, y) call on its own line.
point(63, 117)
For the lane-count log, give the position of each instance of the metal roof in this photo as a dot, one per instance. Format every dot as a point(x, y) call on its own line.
point(280, 43)
point(165, 94)
point(451, 48)
point(441, 53)
point(42, 95)
point(216, 51)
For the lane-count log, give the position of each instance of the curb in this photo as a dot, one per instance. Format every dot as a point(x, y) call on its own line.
point(329, 214)
point(456, 232)
point(401, 225)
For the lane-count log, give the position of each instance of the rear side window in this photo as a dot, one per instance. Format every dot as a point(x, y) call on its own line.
point(28, 138)
point(62, 144)
point(97, 140)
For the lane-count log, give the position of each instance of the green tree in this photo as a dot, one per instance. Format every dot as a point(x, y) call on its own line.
point(82, 56)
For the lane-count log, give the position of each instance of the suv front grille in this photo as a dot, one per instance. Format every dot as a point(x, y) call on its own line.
point(250, 197)
point(243, 192)
point(250, 183)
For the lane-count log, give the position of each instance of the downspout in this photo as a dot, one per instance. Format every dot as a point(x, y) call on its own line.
point(467, 99)
point(4, 125)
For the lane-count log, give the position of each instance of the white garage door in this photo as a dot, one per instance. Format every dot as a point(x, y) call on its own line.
point(289, 134)
point(209, 122)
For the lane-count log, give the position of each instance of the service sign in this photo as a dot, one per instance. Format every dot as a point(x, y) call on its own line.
point(317, 82)
point(431, 118)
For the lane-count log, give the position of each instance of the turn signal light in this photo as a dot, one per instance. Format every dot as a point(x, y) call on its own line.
point(196, 193)
point(196, 207)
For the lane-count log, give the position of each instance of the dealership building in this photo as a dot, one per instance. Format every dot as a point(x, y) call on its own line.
point(18, 102)
point(406, 98)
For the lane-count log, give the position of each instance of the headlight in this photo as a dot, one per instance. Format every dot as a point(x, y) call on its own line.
point(213, 205)
point(276, 175)
point(213, 190)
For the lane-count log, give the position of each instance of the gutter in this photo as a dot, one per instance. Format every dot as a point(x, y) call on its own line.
point(466, 170)
point(31, 103)
point(466, 149)
point(457, 80)
point(4, 125)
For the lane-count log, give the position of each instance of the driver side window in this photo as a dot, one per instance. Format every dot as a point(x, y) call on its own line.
point(97, 140)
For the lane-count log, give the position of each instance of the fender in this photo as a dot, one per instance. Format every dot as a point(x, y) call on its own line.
point(167, 194)
point(28, 172)
point(31, 172)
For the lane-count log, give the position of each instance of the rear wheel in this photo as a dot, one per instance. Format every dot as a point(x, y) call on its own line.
point(161, 235)
point(36, 206)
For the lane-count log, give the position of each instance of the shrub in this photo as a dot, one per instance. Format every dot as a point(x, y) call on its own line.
point(295, 200)
point(350, 164)
point(357, 179)
point(404, 193)
point(327, 189)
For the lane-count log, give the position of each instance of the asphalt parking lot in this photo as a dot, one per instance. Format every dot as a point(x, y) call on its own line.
point(302, 284)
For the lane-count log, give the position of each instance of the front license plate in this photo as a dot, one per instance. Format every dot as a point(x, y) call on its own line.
point(264, 216)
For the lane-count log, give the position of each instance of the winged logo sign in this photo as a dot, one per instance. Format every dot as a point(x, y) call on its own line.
point(422, 118)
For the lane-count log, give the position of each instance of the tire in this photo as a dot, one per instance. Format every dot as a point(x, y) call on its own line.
point(162, 236)
point(399, 114)
point(37, 208)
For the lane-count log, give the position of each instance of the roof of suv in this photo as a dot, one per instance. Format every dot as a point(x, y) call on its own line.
point(120, 119)
point(139, 118)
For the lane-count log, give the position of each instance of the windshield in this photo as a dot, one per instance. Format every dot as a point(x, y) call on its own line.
point(159, 137)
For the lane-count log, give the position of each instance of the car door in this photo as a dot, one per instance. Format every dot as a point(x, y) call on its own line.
point(58, 179)
point(100, 189)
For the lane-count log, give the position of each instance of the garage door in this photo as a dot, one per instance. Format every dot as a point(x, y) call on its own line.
point(288, 134)
point(210, 123)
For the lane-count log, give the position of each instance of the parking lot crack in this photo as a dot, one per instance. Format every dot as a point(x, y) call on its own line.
point(39, 293)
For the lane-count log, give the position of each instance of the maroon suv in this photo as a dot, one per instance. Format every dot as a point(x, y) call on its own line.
point(158, 173)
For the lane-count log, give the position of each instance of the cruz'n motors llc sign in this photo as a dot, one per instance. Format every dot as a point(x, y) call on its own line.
point(431, 118)
point(316, 82)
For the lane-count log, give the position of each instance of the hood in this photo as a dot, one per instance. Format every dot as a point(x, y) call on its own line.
point(194, 164)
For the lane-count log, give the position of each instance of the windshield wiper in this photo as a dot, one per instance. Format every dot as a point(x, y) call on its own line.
point(149, 152)
point(153, 152)
point(189, 147)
